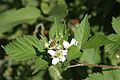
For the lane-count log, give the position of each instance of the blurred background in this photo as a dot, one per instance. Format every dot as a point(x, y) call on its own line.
point(20, 17)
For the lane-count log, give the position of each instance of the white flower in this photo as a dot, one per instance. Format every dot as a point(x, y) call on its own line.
point(58, 55)
point(67, 44)
point(47, 45)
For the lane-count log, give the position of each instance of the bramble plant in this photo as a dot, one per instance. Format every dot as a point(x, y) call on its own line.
point(65, 51)
point(56, 52)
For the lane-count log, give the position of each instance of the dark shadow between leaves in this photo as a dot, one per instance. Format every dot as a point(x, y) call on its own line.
point(38, 53)
point(43, 55)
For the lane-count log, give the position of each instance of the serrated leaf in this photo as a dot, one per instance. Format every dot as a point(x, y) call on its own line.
point(40, 64)
point(73, 53)
point(113, 49)
point(82, 31)
point(54, 73)
point(115, 46)
point(57, 30)
point(11, 18)
point(107, 75)
point(91, 56)
point(116, 25)
point(24, 48)
point(97, 41)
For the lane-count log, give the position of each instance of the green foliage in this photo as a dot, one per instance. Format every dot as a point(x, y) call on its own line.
point(39, 76)
point(113, 47)
point(33, 3)
point(116, 24)
point(39, 64)
point(59, 11)
point(91, 56)
point(73, 53)
point(55, 74)
point(82, 32)
point(106, 75)
point(24, 48)
point(97, 41)
point(11, 18)
point(46, 57)
point(57, 30)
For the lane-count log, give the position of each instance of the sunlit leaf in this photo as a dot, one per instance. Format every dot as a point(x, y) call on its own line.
point(24, 48)
point(82, 32)
point(57, 30)
point(73, 53)
point(97, 41)
point(91, 56)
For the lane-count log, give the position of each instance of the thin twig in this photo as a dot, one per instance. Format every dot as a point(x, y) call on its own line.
point(93, 65)
point(37, 29)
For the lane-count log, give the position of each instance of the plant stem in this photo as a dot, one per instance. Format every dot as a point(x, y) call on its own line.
point(93, 65)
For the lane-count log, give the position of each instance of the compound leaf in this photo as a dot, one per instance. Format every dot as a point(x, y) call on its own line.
point(97, 41)
point(116, 25)
point(82, 31)
point(113, 49)
point(106, 75)
point(24, 48)
point(73, 53)
point(91, 56)
point(40, 64)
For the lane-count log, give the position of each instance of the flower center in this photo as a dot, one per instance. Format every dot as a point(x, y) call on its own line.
point(57, 54)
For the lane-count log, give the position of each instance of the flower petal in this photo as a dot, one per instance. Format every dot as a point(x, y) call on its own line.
point(64, 52)
point(62, 58)
point(55, 60)
point(51, 52)
point(66, 44)
point(73, 42)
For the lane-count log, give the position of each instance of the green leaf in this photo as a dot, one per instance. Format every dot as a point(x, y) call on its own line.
point(91, 56)
point(39, 75)
point(73, 53)
point(59, 11)
point(82, 31)
point(11, 18)
point(116, 24)
point(33, 3)
point(97, 41)
point(47, 6)
point(106, 75)
point(115, 46)
point(54, 73)
point(113, 49)
point(40, 64)
point(24, 48)
point(57, 30)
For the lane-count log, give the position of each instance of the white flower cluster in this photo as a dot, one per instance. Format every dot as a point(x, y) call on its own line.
point(59, 52)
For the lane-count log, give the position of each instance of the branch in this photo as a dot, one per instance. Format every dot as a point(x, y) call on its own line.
point(93, 65)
